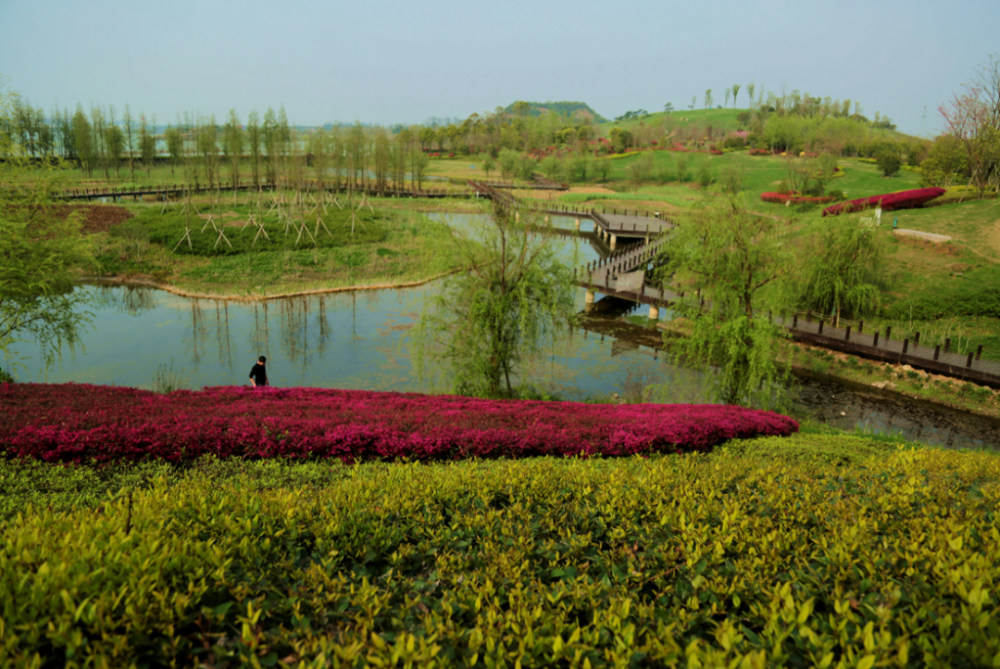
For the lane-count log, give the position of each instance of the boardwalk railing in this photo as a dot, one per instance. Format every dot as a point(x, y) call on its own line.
point(174, 190)
point(602, 275)
point(541, 183)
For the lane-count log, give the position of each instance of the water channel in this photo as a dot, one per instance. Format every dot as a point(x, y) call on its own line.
point(360, 340)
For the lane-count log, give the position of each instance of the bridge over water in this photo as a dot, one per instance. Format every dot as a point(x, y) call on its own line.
point(636, 240)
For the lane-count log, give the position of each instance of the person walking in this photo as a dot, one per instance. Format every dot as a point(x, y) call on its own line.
point(258, 373)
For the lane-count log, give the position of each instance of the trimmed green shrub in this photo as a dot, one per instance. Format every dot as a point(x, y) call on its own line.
point(815, 550)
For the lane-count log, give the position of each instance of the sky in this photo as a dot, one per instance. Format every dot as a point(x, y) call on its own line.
point(400, 61)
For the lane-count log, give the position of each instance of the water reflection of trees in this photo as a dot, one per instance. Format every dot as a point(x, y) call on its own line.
point(131, 300)
point(298, 326)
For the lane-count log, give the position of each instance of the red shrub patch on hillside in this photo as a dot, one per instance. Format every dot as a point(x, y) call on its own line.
point(784, 198)
point(907, 199)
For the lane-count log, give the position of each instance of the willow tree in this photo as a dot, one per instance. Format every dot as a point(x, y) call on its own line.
point(41, 256)
point(514, 300)
point(730, 257)
point(844, 274)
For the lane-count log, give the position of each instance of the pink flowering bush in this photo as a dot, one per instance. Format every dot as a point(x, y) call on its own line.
point(794, 198)
point(906, 199)
point(78, 423)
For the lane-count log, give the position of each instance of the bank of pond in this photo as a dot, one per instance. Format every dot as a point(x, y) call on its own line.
point(148, 338)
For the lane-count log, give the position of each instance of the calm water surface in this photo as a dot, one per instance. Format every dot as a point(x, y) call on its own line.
point(361, 340)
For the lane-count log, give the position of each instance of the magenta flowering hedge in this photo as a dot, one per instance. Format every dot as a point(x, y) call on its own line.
point(71, 422)
point(906, 199)
point(794, 198)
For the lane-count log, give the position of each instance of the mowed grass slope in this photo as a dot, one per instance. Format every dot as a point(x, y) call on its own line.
point(813, 550)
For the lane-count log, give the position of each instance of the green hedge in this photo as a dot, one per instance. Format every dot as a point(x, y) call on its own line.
point(806, 551)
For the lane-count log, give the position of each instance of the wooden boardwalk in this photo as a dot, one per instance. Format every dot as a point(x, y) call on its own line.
point(179, 190)
point(622, 274)
point(609, 226)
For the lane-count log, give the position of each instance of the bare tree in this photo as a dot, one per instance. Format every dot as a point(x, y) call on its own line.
point(147, 142)
point(98, 125)
point(253, 143)
point(736, 91)
point(129, 140)
point(233, 141)
point(708, 99)
point(750, 89)
point(83, 140)
point(973, 118)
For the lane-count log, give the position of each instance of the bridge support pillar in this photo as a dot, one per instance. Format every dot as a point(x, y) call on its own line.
point(614, 241)
point(589, 299)
point(654, 312)
point(517, 216)
point(547, 218)
point(578, 225)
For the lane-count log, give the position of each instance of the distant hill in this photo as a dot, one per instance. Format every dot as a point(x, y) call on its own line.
point(723, 119)
point(579, 110)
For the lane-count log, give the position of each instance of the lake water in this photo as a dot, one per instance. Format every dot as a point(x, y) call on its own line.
point(361, 340)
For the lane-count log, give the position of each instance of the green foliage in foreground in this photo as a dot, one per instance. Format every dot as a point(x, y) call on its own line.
point(815, 550)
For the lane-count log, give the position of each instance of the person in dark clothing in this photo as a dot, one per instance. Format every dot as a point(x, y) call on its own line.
point(258, 373)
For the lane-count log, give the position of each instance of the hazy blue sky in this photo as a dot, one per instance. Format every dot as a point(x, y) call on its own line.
point(394, 61)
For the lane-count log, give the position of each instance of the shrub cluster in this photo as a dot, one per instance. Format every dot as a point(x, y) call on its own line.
point(72, 422)
point(794, 198)
point(907, 199)
point(802, 552)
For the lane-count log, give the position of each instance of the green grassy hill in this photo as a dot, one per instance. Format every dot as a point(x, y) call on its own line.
point(718, 118)
point(572, 109)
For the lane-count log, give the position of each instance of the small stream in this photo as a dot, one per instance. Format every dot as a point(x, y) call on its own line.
point(360, 340)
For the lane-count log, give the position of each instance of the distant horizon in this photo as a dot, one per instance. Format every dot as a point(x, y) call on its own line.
point(159, 128)
point(407, 63)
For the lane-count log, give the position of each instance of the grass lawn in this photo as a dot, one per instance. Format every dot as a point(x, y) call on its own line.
point(388, 246)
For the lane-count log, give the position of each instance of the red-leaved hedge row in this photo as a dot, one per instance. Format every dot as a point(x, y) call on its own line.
point(906, 199)
point(77, 423)
point(782, 198)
